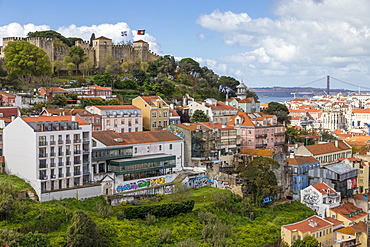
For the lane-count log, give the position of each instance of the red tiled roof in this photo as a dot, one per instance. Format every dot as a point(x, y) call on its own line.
point(150, 98)
point(53, 119)
point(348, 208)
point(100, 88)
point(355, 228)
point(102, 37)
point(301, 160)
point(327, 148)
point(116, 107)
point(7, 94)
point(174, 113)
point(110, 137)
point(323, 188)
point(217, 126)
point(54, 89)
point(192, 126)
point(9, 111)
point(334, 221)
point(258, 152)
point(304, 225)
point(361, 111)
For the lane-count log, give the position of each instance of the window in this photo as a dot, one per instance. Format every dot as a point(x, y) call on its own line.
point(160, 147)
point(154, 114)
point(148, 149)
point(135, 150)
point(154, 124)
point(165, 114)
point(170, 146)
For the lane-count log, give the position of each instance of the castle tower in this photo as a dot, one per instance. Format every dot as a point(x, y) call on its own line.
point(47, 44)
point(103, 50)
point(241, 91)
point(141, 50)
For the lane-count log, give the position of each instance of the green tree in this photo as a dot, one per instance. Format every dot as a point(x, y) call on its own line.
point(261, 180)
point(228, 81)
point(78, 56)
point(31, 239)
point(86, 67)
point(57, 66)
point(139, 75)
point(113, 70)
point(308, 241)
point(53, 34)
point(199, 116)
point(279, 110)
point(23, 59)
point(102, 80)
point(83, 231)
point(190, 66)
point(8, 237)
point(59, 100)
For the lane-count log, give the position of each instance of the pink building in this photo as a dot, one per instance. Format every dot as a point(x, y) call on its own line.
point(259, 131)
point(6, 98)
point(119, 118)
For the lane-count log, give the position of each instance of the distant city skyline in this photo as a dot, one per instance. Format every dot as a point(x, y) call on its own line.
point(262, 43)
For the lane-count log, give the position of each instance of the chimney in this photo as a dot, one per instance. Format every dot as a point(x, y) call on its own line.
point(13, 117)
point(336, 143)
point(73, 117)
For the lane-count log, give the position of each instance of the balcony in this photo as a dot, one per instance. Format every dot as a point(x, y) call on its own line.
point(68, 163)
point(77, 152)
point(77, 141)
point(86, 151)
point(60, 163)
point(261, 136)
point(43, 165)
point(68, 152)
point(77, 173)
point(77, 162)
point(85, 161)
point(52, 164)
point(68, 174)
point(68, 141)
point(60, 141)
point(43, 155)
point(52, 142)
point(60, 154)
point(86, 140)
point(261, 145)
point(43, 143)
point(61, 175)
point(53, 176)
point(43, 177)
point(279, 134)
point(52, 154)
point(279, 143)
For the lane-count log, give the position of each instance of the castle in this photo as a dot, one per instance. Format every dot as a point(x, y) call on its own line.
point(97, 50)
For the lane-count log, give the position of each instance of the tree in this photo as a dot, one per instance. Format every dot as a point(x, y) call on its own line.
point(60, 100)
point(261, 180)
point(140, 76)
point(8, 237)
point(199, 116)
point(23, 58)
point(227, 81)
point(58, 65)
point(83, 231)
point(78, 56)
point(53, 34)
point(113, 70)
point(190, 66)
point(279, 110)
point(86, 67)
point(308, 241)
point(32, 239)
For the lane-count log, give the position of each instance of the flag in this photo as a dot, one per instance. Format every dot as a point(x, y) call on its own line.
point(124, 33)
point(140, 32)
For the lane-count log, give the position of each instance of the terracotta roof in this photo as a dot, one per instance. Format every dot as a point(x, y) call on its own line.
point(220, 106)
point(53, 119)
point(150, 98)
point(109, 137)
point(258, 152)
point(301, 160)
point(361, 197)
point(7, 94)
point(355, 141)
point(355, 228)
point(323, 188)
point(327, 148)
point(174, 113)
point(350, 159)
point(309, 136)
point(304, 225)
point(248, 100)
point(361, 111)
point(217, 126)
point(63, 111)
point(99, 87)
point(192, 126)
point(54, 89)
point(349, 208)
point(116, 107)
point(334, 221)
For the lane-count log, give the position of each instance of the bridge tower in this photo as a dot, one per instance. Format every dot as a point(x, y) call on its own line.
point(327, 85)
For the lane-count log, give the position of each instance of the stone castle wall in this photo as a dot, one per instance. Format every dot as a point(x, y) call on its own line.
point(95, 53)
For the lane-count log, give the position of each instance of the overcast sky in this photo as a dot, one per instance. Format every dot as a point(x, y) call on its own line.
point(262, 43)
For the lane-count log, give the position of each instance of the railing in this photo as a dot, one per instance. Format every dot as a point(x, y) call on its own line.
point(60, 163)
point(60, 154)
point(279, 143)
point(54, 176)
point(68, 174)
point(60, 141)
point(43, 155)
point(279, 134)
point(61, 175)
point(77, 152)
point(261, 135)
point(52, 154)
point(52, 164)
point(43, 165)
point(261, 145)
point(86, 140)
point(77, 173)
point(43, 177)
point(68, 163)
point(43, 143)
point(68, 141)
point(52, 142)
point(77, 141)
point(77, 162)
point(68, 152)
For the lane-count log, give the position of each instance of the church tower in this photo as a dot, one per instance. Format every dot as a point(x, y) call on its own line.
point(241, 91)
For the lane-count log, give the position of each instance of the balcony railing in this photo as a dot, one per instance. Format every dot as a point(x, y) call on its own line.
point(52, 142)
point(43, 155)
point(60, 154)
point(261, 135)
point(68, 163)
point(60, 141)
point(43, 165)
point(279, 143)
point(77, 173)
point(60, 163)
point(68, 141)
point(43, 143)
point(61, 175)
point(68, 152)
point(261, 145)
point(77, 141)
point(52, 154)
point(68, 174)
point(43, 177)
point(52, 164)
point(77, 152)
point(54, 176)
point(77, 162)
point(279, 134)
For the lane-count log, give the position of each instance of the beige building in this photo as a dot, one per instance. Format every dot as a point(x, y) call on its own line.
point(314, 226)
point(348, 213)
point(356, 233)
point(155, 112)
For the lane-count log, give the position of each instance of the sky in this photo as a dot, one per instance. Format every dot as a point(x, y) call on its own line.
point(262, 43)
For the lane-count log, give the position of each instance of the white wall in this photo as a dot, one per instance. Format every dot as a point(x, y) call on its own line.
point(79, 193)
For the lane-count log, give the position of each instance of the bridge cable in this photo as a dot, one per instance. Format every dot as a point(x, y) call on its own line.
point(351, 84)
point(307, 83)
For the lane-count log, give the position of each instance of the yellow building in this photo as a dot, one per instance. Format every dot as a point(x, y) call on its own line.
point(357, 233)
point(348, 213)
point(314, 226)
point(154, 110)
point(363, 172)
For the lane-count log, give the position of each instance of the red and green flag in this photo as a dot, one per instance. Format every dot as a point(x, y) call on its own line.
point(140, 32)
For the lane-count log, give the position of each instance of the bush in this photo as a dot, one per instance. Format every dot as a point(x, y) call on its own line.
point(160, 210)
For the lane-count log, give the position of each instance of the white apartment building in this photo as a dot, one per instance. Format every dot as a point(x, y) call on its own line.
point(53, 154)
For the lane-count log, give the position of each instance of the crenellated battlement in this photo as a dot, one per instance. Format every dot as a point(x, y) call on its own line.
point(95, 53)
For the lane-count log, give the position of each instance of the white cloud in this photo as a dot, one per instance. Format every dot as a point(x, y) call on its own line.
point(306, 37)
point(112, 31)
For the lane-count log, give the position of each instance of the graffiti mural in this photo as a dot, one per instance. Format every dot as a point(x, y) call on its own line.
point(197, 182)
point(141, 184)
point(311, 197)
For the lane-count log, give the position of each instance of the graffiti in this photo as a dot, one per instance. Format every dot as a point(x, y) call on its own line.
point(168, 189)
point(351, 183)
point(311, 197)
point(141, 184)
point(197, 182)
